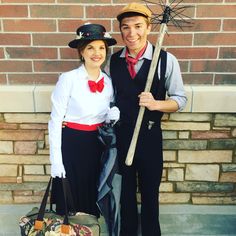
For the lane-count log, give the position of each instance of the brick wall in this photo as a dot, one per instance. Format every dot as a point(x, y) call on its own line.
point(34, 35)
point(200, 145)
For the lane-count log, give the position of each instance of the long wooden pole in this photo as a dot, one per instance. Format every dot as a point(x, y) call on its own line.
point(151, 73)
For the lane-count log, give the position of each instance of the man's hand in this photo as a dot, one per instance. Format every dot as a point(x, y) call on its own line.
point(147, 100)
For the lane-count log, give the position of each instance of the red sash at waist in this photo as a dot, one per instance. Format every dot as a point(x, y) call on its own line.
point(83, 127)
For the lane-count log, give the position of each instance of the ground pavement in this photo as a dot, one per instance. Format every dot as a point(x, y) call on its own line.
point(176, 220)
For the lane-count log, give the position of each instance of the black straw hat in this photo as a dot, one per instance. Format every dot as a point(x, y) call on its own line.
point(89, 32)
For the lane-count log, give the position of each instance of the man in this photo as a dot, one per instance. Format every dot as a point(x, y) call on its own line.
point(129, 70)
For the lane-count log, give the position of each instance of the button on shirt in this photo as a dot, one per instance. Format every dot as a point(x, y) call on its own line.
point(73, 101)
point(174, 84)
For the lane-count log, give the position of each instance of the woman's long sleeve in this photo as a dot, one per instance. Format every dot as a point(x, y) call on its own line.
point(59, 99)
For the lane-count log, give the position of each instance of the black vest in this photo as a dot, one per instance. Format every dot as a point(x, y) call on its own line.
point(128, 89)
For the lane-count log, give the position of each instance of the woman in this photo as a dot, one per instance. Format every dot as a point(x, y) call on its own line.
point(81, 100)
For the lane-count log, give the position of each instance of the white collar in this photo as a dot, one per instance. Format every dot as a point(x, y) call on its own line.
point(85, 72)
point(147, 54)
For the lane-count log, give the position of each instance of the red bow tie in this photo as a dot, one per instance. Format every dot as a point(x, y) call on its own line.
point(96, 86)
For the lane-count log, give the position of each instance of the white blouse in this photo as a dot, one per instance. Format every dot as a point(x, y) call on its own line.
point(73, 101)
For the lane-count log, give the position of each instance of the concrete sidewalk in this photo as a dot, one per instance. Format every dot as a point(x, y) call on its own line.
point(176, 220)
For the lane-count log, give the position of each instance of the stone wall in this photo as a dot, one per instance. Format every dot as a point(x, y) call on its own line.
point(199, 153)
point(24, 159)
point(200, 158)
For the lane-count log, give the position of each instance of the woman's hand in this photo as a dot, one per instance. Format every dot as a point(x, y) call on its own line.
point(113, 115)
point(58, 170)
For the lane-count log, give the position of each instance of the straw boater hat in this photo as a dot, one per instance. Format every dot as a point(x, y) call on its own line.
point(134, 9)
point(89, 32)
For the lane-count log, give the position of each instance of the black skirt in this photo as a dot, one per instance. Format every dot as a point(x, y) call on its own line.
point(81, 153)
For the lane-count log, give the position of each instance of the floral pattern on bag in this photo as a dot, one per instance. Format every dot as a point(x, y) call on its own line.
point(52, 227)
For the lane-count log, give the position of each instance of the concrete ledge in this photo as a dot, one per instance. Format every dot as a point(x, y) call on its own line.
point(213, 99)
point(175, 220)
point(30, 98)
point(42, 98)
point(25, 98)
point(17, 98)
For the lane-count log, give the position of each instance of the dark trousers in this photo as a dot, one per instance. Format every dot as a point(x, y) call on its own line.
point(147, 169)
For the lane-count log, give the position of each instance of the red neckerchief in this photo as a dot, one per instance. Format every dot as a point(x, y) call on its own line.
point(133, 61)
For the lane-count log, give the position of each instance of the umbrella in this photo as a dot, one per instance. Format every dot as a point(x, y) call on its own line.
point(109, 187)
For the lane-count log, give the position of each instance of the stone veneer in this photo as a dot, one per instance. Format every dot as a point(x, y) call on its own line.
point(199, 146)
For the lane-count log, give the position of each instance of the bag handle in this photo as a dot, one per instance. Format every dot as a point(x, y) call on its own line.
point(38, 225)
point(66, 221)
